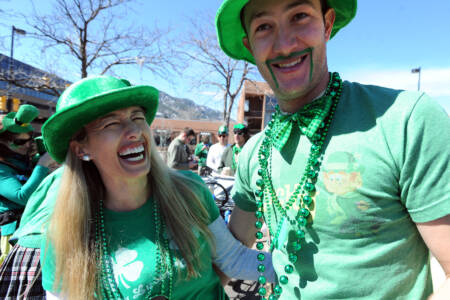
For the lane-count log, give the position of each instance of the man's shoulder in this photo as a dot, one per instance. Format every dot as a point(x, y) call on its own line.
point(382, 101)
point(251, 146)
point(377, 92)
point(175, 143)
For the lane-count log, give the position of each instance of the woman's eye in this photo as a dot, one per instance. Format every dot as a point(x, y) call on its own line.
point(110, 124)
point(140, 118)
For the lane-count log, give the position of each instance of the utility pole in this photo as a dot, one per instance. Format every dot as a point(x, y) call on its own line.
point(417, 70)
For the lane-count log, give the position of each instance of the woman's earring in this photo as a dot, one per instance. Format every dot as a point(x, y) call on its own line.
point(86, 157)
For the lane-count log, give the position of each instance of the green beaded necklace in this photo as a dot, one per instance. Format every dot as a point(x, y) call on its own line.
point(164, 265)
point(303, 194)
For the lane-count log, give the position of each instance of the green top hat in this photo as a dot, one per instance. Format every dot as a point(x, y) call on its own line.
point(20, 122)
point(230, 32)
point(223, 129)
point(87, 100)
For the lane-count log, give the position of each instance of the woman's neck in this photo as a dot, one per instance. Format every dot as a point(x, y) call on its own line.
point(126, 195)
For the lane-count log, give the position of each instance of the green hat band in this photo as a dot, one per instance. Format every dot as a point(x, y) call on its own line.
point(230, 32)
point(88, 100)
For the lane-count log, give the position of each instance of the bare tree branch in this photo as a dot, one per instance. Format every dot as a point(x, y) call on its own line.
point(216, 69)
point(88, 31)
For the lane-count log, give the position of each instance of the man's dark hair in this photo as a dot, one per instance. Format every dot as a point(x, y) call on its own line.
point(323, 5)
point(189, 131)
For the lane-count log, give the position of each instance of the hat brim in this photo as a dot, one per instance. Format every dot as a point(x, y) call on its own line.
point(230, 31)
point(60, 128)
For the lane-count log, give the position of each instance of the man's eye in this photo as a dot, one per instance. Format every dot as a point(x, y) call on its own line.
point(299, 16)
point(262, 27)
point(140, 118)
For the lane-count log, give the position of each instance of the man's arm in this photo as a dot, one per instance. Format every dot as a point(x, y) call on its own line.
point(436, 235)
point(242, 226)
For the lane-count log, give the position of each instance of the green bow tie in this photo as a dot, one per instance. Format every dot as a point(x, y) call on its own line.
point(309, 118)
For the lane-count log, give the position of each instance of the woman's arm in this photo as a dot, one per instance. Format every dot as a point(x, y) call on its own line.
point(236, 260)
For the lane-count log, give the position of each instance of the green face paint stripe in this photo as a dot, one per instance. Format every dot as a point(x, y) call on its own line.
point(281, 58)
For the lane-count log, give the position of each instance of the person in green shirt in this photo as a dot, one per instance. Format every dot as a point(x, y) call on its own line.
point(123, 225)
point(349, 178)
point(16, 182)
point(229, 160)
point(201, 152)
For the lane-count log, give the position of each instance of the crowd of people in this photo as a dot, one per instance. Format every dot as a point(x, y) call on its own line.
point(349, 179)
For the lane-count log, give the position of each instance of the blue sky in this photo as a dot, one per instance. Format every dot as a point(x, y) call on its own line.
point(380, 46)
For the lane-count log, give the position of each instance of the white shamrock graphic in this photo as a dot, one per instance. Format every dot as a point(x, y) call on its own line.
point(125, 267)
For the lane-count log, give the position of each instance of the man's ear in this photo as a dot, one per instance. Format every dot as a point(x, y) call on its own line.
point(329, 18)
point(247, 44)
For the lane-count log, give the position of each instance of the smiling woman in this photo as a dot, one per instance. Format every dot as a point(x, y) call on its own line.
point(154, 231)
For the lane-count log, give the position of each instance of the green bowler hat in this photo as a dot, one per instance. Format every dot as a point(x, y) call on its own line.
point(89, 99)
point(19, 122)
point(230, 31)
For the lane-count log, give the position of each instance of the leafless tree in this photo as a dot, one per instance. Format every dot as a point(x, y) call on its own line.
point(212, 66)
point(90, 32)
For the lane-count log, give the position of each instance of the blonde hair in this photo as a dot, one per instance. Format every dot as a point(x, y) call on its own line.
point(73, 222)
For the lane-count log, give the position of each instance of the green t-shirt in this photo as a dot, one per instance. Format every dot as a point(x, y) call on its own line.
point(385, 167)
point(132, 247)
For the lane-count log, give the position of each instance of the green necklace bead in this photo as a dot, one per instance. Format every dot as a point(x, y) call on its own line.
point(296, 246)
point(261, 256)
point(300, 234)
point(304, 212)
point(258, 224)
point(272, 297)
point(284, 279)
point(258, 214)
point(289, 269)
point(302, 221)
point(262, 280)
point(260, 182)
point(293, 258)
point(307, 200)
point(259, 235)
point(261, 268)
point(262, 291)
point(277, 290)
point(259, 246)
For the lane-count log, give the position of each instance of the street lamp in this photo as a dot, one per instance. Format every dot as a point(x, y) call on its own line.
point(417, 70)
point(8, 92)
